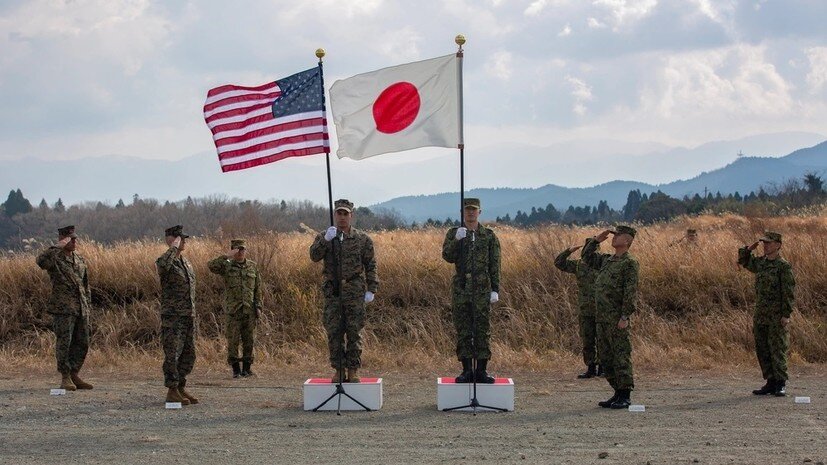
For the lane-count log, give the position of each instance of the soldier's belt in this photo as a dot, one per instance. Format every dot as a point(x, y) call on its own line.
point(346, 280)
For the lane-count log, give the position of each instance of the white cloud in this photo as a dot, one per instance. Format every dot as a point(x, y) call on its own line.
point(817, 76)
point(499, 65)
point(625, 12)
point(535, 7)
point(594, 23)
point(565, 32)
point(581, 92)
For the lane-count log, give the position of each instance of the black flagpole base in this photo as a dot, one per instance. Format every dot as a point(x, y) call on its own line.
point(340, 391)
point(474, 405)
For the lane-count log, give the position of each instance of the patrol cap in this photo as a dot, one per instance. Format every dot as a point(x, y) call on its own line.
point(770, 236)
point(470, 202)
point(67, 231)
point(176, 231)
point(238, 244)
point(343, 204)
point(623, 229)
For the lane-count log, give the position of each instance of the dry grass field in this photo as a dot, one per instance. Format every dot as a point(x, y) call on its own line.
point(694, 301)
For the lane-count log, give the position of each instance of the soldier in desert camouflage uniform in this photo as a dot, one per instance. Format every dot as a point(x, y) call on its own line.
point(177, 315)
point(69, 306)
point(615, 292)
point(242, 303)
point(350, 282)
point(774, 296)
point(475, 252)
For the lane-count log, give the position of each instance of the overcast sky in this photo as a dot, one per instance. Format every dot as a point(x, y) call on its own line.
point(129, 77)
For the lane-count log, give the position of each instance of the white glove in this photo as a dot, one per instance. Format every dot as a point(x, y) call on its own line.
point(461, 233)
point(368, 297)
point(495, 297)
point(330, 233)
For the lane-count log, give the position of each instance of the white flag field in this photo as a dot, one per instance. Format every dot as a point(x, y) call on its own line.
point(398, 108)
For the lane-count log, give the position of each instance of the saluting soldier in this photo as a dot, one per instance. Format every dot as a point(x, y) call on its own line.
point(177, 315)
point(475, 252)
point(69, 306)
point(242, 304)
point(774, 298)
point(615, 291)
point(586, 308)
point(350, 281)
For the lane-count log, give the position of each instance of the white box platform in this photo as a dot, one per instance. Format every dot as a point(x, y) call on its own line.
point(450, 394)
point(368, 392)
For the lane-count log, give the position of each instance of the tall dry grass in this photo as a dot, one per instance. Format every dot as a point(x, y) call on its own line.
point(694, 302)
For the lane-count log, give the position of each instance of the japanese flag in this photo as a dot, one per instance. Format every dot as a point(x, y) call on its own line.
point(398, 108)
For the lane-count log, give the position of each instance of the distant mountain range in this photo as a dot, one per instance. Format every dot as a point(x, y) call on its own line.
point(744, 175)
point(506, 177)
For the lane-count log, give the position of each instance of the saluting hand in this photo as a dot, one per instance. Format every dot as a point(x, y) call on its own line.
point(177, 242)
point(574, 249)
point(753, 246)
point(231, 254)
point(61, 244)
point(603, 236)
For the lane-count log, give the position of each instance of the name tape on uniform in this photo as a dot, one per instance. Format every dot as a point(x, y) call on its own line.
point(57, 392)
point(172, 405)
point(802, 400)
point(637, 408)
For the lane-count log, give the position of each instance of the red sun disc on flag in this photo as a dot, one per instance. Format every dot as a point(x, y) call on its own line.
point(396, 107)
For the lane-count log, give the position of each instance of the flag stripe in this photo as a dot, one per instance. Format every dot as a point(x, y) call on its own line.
point(299, 145)
point(256, 150)
point(252, 126)
point(256, 138)
point(232, 129)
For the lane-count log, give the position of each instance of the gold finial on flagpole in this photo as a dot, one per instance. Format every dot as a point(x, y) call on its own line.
point(319, 53)
point(460, 40)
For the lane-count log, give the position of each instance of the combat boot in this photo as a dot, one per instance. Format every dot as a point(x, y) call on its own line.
point(339, 376)
point(79, 383)
point(624, 399)
point(481, 374)
point(608, 402)
point(768, 388)
point(780, 389)
point(245, 370)
point(186, 395)
point(236, 369)
point(66, 383)
point(353, 375)
point(174, 396)
point(590, 372)
point(467, 374)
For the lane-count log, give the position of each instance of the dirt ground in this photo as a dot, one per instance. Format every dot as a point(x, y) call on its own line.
point(701, 417)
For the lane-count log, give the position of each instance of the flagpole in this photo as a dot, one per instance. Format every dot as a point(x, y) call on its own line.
point(460, 41)
point(320, 54)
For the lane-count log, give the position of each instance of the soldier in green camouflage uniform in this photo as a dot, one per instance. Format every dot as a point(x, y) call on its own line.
point(585, 302)
point(242, 303)
point(348, 285)
point(774, 288)
point(475, 252)
point(69, 306)
point(177, 316)
point(615, 291)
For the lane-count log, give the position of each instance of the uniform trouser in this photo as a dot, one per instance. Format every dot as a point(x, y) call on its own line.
point(71, 341)
point(241, 329)
point(467, 311)
point(588, 337)
point(178, 341)
point(343, 321)
point(616, 355)
point(771, 344)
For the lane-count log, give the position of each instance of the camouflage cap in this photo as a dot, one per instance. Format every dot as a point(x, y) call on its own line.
point(67, 231)
point(343, 204)
point(770, 236)
point(176, 231)
point(470, 202)
point(238, 244)
point(623, 229)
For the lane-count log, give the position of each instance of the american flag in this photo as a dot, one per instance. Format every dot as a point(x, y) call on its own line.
point(253, 126)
